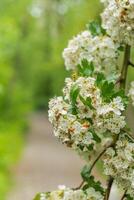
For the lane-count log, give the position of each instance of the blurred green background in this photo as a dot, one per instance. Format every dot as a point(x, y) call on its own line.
point(33, 34)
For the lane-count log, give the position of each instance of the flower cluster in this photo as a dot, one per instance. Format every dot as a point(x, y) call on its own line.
point(109, 117)
point(118, 20)
point(131, 92)
point(68, 194)
point(101, 50)
point(81, 116)
point(119, 163)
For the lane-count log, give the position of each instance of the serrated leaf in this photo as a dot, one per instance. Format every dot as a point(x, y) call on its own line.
point(74, 94)
point(95, 184)
point(95, 28)
point(96, 137)
point(100, 79)
point(107, 90)
point(87, 102)
point(85, 173)
point(86, 68)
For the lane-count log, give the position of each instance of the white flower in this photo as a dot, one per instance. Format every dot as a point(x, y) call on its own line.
point(75, 125)
point(118, 20)
point(74, 195)
point(109, 117)
point(92, 194)
point(119, 163)
point(101, 50)
point(69, 194)
point(131, 92)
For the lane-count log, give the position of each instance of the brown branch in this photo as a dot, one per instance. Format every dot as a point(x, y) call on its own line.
point(109, 186)
point(131, 64)
point(125, 66)
point(80, 186)
point(124, 195)
point(93, 165)
point(122, 82)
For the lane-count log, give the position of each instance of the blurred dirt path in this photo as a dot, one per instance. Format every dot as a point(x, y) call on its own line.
point(45, 163)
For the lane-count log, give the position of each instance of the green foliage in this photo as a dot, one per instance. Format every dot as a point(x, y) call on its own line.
point(87, 102)
point(85, 173)
point(94, 184)
point(86, 68)
point(38, 197)
point(95, 28)
point(90, 181)
point(128, 197)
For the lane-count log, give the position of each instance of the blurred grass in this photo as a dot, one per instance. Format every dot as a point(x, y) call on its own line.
point(33, 34)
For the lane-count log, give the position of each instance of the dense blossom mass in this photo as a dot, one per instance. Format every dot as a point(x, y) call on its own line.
point(131, 92)
point(119, 163)
point(101, 50)
point(118, 20)
point(78, 123)
point(89, 116)
point(69, 194)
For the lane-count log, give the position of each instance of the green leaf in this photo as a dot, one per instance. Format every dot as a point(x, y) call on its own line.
point(74, 94)
point(95, 28)
point(121, 93)
point(87, 102)
point(96, 137)
point(100, 79)
point(121, 48)
point(73, 110)
point(86, 68)
point(90, 147)
point(107, 90)
point(85, 173)
point(39, 196)
point(128, 197)
point(95, 184)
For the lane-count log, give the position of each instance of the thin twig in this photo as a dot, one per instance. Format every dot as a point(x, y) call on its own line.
point(93, 165)
point(130, 63)
point(80, 186)
point(98, 157)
